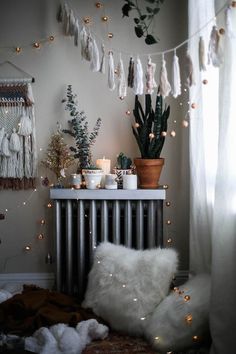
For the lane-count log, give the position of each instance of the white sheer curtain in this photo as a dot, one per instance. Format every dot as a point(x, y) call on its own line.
point(213, 176)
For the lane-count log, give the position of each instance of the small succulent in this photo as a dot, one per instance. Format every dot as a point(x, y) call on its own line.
point(123, 162)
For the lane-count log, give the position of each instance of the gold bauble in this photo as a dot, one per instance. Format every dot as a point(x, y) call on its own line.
point(222, 31)
point(36, 45)
point(98, 5)
point(189, 319)
point(186, 298)
point(86, 20)
point(40, 237)
point(18, 49)
point(51, 38)
point(105, 18)
point(168, 204)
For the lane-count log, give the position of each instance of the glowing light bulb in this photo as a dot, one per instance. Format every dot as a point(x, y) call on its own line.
point(128, 113)
point(151, 135)
point(124, 286)
point(42, 222)
point(51, 38)
point(87, 20)
point(98, 5)
point(168, 204)
point(186, 298)
point(49, 205)
point(172, 133)
point(18, 49)
point(195, 338)
point(105, 18)
point(36, 45)
point(111, 274)
point(110, 35)
point(142, 318)
point(40, 237)
point(135, 299)
point(169, 240)
point(27, 248)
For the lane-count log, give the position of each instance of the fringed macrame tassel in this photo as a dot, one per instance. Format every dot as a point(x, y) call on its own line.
point(202, 54)
point(189, 70)
point(94, 63)
point(176, 80)
point(2, 133)
point(60, 14)
point(131, 73)
point(88, 51)
point(4, 167)
point(12, 165)
point(228, 21)
point(33, 142)
point(66, 19)
point(83, 41)
point(72, 21)
point(138, 78)
point(27, 156)
point(103, 63)
point(20, 165)
point(122, 88)
point(14, 143)
point(25, 126)
point(150, 76)
point(5, 146)
point(111, 71)
point(76, 33)
point(164, 84)
point(215, 55)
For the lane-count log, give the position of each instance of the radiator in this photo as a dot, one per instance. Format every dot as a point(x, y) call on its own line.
point(84, 218)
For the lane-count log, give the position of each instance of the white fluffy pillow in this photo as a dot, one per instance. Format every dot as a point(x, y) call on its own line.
point(125, 285)
point(170, 327)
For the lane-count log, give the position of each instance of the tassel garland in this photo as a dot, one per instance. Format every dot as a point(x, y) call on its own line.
point(176, 80)
point(94, 63)
point(202, 54)
point(189, 70)
point(131, 73)
point(165, 87)
point(111, 72)
point(122, 88)
point(215, 54)
point(138, 78)
point(150, 77)
point(102, 64)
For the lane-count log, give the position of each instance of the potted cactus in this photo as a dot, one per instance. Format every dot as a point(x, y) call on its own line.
point(150, 129)
point(123, 167)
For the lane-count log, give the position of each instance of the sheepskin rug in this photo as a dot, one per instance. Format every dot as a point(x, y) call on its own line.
point(126, 285)
point(182, 317)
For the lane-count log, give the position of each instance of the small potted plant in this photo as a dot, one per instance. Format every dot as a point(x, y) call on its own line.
point(123, 167)
point(150, 130)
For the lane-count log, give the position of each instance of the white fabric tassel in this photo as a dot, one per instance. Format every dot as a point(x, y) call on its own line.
point(33, 143)
point(30, 93)
point(122, 88)
point(71, 23)
point(189, 70)
point(25, 126)
point(150, 77)
point(4, 167)
point(66, 19)
point(20, 165)
point(102, 64)
point(5, 146)
point(165, 87)
point(2, 132)
point(138, 78)
point(14, 143)
point(228, 21)
point(83, 41)
point(88, 51)
point(76, 33)
point(94, 63)
point(215, 54)
point(12, 165)
point(111, 72)
point(202, 54)
point(176, 80)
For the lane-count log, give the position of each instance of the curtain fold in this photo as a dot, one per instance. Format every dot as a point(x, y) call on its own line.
point(213, 177)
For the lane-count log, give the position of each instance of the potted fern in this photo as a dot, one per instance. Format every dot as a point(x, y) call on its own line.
point(84, 140)
point(149, 131)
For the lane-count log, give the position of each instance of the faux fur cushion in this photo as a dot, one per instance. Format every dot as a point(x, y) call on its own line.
point(126, 285)
point(181, 317)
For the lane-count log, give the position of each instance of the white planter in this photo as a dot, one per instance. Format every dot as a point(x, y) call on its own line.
point(93, 180)
point(75, 180)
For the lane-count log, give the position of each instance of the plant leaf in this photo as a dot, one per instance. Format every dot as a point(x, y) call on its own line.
point(156, 10)
point(149, 9)
point(138, 31)
point(136, 20)
point(150, 39)
point(126, 9)
point(143, 17)
point(150, 1)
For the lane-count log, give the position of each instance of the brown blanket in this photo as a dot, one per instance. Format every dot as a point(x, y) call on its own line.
point(35, 307)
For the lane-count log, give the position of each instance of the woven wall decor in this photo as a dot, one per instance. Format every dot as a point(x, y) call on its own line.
point(18, 156)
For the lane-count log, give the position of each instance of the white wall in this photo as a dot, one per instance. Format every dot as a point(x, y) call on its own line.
point(55, 66)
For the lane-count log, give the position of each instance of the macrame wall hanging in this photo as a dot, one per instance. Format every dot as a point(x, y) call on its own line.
point(18, 158)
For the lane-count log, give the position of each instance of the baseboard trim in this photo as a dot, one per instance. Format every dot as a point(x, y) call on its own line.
point(44, 280)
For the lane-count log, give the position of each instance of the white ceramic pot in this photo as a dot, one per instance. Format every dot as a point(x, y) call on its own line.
point(93, 180)
point(75, 180)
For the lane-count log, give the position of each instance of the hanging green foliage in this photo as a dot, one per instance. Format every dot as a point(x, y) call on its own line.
point(144, 19)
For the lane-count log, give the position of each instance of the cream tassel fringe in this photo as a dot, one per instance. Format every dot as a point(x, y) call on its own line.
point(20, 166)
point(176, 80)
point(76, 33)
point(165, 87)
point(111, 72)
point(202, 54)
point(102, 64)
point(94, 63)
point(150, 76)
point(83, 41)
point(30, 93)
point(88, 51)
point(27, 151)
point(5, 146)
point(14, 143)
point(215, 54)
point(189, 70)
point(2, 133)
point(25, 126)
point(122, 88)
point(138, 78)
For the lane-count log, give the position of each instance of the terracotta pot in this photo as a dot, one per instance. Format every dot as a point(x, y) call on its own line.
point(148, 171)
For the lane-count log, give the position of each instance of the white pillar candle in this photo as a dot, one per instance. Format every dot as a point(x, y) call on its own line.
point(105, 165)
point(129, 181)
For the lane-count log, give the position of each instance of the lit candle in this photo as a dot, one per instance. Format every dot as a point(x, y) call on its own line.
point(105, 165)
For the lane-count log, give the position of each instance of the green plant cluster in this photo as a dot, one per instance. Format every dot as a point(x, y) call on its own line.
point(84, 140)
point(144, 18)
point(149, 126)
point(123, 162)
